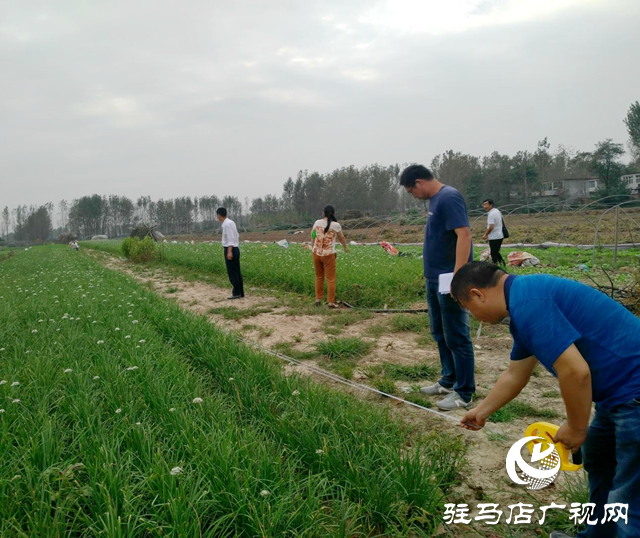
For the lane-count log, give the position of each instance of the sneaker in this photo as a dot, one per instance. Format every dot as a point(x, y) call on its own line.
point(558, 534)
point(434, 389)
point(234, 297)
point(453, 401)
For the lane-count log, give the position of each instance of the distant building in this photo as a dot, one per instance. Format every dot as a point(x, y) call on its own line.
point(632, 181)
point(570, 189)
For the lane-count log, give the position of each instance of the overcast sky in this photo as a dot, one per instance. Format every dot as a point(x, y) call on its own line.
point(231, 97)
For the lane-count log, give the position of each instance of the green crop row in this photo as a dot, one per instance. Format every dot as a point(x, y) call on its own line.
point(122, 415)
point(367, 276)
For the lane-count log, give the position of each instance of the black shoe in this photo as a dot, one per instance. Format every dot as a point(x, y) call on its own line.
point(235, 297)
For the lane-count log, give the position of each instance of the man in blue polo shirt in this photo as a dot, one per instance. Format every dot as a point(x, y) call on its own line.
point(591, 344)
point(447, 247)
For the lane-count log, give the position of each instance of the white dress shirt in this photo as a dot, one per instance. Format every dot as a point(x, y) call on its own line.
point(230, 236)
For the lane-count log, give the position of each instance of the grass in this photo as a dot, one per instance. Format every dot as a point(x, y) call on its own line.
point(172, 289)
point(516, 409)
point(411, 372)
point(384, 384)
point(375, 331)
point(287, 348)
point(419, 398)
point(335, 323)
point(344, 348)
point(551, 394)
point(235, 314)
point(367, 276)
point(132, 432)
point(409, 322)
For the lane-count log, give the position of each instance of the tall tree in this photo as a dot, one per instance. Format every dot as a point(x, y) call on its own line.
point(37, 225)
point(632, 121)
point(287, 195)
point(605, 163)
point(311, 199)
point(5, 222)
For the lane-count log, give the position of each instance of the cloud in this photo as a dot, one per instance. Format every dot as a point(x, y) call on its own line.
point(232, 97)
point(120, 110)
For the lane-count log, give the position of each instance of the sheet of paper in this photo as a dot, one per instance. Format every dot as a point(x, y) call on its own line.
point(444, 283)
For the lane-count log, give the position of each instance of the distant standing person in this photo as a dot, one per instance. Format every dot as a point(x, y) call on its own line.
point(323, 245)
point(447, 247)
point(494, 231)
point(231, 244)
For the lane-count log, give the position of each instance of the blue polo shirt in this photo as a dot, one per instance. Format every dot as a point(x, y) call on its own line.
point(548, 314)
point(447, 211)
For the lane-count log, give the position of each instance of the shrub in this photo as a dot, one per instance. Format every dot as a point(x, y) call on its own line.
point(126, 246)
point(66, 238)
point(142, 230)
point(142, 251)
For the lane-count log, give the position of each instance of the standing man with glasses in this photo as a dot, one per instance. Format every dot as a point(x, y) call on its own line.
point(494, 231)
point(447, 247)
point(230, 244)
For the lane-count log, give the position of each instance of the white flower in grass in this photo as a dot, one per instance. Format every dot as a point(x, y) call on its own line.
point(118, 411)
point(117, 328)
point(231, 379)
point(132, 368)
point(197, 400)
point(1, 349)
point(138, 423)
point(142, 341)
point(3, 382)
point(319, 451)
point(68, 371)
point(135, 321)
point(15, 383)
point(15, 401)
point(172, 409)
point(40, 320)
point(295, 393)
point(96, 377)
point(94, 322)
point(176, 471)
point(264, 492)
point(100, 341)
point(1, 410)
point(137, 347)
point(34, 331)
point(127, 337)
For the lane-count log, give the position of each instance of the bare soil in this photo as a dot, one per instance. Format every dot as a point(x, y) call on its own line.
point(485, 476)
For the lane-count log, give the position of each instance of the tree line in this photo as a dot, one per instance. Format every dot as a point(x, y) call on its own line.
point(371, 189)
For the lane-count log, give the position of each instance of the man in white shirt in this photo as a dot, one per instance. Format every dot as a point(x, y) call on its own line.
point(494, 231)
point(230, 244)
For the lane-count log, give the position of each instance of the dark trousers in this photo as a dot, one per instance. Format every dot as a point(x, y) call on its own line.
point(450, 329)
point(233, 270)
point(611, 456)
point(494, 245)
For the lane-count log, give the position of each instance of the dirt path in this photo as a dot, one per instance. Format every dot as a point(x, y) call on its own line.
point(265, 318)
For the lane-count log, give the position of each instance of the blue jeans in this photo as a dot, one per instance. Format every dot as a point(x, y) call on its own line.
point(450, 329)
point(611, 454)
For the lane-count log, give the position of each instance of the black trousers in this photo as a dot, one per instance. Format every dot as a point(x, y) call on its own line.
point(233, 270)
point(494, 245)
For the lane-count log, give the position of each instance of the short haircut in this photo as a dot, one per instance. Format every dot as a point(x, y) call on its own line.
point(474, 275)
point(222, 211)
point(414, 172)
point(489, 201)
